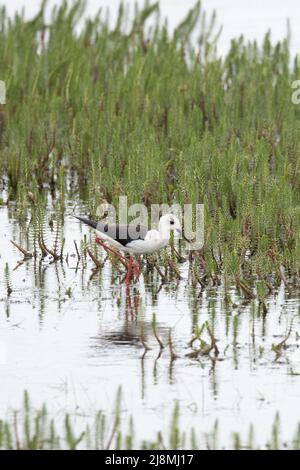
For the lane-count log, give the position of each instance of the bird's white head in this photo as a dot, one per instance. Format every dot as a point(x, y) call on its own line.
point(167, 223)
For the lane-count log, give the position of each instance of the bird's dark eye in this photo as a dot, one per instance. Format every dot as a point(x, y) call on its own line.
point(172, 222)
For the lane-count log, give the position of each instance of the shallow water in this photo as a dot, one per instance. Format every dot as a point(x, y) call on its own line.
point(71, 341)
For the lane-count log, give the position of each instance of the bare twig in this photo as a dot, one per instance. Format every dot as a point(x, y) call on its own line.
point(27, 254)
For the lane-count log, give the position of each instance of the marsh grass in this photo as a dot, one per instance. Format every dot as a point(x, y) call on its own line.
point(34, 429)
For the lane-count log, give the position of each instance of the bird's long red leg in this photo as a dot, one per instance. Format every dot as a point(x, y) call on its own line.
point(129, 271)
point(137, 271)
point(129, 265)
point(107, 248)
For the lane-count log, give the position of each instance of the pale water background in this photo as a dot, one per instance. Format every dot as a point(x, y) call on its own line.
point(73, 352)
point(250, 17)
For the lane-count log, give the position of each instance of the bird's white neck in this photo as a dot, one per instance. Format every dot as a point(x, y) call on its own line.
point(164, 231)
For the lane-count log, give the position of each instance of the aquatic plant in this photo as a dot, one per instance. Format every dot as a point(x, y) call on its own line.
point(36, 429)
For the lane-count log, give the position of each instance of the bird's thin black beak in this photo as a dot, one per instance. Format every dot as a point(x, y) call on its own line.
point(86, 221)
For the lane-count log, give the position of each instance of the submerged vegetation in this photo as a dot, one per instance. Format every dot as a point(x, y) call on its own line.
point(96, 112)
point(31, 429)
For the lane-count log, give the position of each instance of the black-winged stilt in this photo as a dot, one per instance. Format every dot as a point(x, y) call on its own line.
point(135, 240)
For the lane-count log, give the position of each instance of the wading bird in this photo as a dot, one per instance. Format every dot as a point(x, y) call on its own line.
point(133, 239)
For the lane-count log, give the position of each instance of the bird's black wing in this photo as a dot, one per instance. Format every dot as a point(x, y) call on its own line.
point(123, 234)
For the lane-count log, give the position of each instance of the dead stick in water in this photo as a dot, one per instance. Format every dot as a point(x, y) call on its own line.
point(42, 245)
point(174, 268)
point(172, 352)
point(283, 278)
point(246, 290)
point(213, 340)
point(26, 253)
point(277, 348)
point(161, 345)
point(159, 271)
point(143, 341)
point(180, 258)
point(77, 251)
point(52, 253)
point(96, 261)
point(199, 279)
